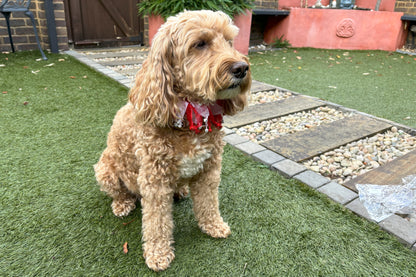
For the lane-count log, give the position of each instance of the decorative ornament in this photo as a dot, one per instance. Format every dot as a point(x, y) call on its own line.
point(346, 28)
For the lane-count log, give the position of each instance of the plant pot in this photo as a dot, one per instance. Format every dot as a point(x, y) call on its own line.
point(155, 21)
point(242, 21)
point(242, 40)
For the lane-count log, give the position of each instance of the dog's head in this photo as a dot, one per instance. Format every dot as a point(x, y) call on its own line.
point(191, 58)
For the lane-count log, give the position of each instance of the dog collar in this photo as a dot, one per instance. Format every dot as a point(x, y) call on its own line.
point(199, 116)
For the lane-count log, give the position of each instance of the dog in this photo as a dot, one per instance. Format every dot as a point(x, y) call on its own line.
point(168, 137)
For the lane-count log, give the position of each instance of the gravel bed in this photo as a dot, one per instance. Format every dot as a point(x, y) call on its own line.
point(127, 50)
point(359, 157)
point(270, 129)
point(121, 68)
point(268, 96)
point(127, 58)
point(407, 50)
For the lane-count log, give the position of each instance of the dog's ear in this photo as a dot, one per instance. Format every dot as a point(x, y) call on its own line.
point(152, 94)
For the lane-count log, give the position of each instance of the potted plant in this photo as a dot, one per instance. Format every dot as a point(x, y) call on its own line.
point(240, 10)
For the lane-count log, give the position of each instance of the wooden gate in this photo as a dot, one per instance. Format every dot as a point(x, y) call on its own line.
point(103, 22)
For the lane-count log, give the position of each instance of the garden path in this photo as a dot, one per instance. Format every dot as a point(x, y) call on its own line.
point(323, 154)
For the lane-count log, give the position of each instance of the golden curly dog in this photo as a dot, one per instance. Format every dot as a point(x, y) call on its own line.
point(167, 137)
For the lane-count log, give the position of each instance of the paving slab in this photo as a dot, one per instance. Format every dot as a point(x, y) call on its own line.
point(267, 157)
point(304, 145)
point(257, 86)
point(227, 131)
point(234, 139)
point(271, 110)
point(338, 193)
point(403, 229)
point(249, 147)
point(358, 208)
point(288, 168)
point(312, 179)
point(389, 174)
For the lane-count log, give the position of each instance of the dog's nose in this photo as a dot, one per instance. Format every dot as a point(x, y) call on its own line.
point(239, 70)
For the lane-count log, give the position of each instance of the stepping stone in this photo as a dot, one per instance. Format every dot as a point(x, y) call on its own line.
point(388, 174)
point(257, 86)
point(271, 110)
point(303, 145)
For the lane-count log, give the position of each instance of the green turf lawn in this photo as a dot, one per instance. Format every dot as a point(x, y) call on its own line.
point(54, 221)
point(375, 82)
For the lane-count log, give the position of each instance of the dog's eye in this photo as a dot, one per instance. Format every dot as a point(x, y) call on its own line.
point(200, 44)
point(230, 42)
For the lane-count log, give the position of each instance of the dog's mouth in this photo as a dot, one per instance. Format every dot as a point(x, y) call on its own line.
point(233, 86)
point(230, 92)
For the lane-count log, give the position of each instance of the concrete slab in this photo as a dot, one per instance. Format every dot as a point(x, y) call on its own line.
point(227, 131)
point(312, 179)
point(257, 86)
point(249, 147)
point(358, 208)
point(234, 139)
point(338, 193)
point(404, 230)
point(288, 168)
point(267, 157)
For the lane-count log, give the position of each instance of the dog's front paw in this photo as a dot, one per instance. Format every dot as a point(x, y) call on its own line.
point(123, 207)
point(159, 259)
point(216, 229)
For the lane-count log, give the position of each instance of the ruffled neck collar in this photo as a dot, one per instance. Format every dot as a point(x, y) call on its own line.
point(199, 117)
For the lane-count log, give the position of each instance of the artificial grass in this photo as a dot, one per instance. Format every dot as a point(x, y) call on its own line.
point(56, 222)
point(376, 82)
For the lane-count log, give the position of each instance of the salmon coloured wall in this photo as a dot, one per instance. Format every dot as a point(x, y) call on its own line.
point(339, 29)
point(385, 5)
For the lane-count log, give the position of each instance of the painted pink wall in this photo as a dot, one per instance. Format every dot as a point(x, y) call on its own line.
point(317, 28)
point(242, 40)
point(386, 5)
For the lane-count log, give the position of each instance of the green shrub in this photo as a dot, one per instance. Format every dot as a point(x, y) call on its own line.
point(280, 42)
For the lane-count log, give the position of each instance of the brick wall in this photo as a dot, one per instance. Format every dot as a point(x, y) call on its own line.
point(408, 7)
point(146, 30)
point(22, 30)
point(266, 4)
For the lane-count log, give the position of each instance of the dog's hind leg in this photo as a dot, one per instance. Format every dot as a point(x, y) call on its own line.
point(123, 200)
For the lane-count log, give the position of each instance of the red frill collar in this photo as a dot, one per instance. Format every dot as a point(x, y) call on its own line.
point(199, 117)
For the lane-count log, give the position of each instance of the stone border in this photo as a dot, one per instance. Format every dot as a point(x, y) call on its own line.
point(120, 78)
point(404, 230)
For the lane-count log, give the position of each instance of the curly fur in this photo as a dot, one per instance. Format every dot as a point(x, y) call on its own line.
point(147, 158)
